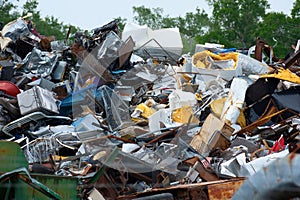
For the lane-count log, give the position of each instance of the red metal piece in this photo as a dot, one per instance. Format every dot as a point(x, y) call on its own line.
point(278, 146)
point(9, 88)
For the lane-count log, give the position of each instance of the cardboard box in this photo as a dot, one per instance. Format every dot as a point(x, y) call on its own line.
point(214, 133)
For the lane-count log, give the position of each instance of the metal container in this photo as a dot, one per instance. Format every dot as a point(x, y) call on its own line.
point(17, 183)
point(37, 99)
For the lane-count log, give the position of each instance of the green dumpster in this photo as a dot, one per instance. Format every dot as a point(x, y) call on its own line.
point(17, 183)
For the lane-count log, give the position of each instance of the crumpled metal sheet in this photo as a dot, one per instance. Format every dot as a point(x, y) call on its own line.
point(279, 180)
point(15, 29)
point(4, 41)
point(108, 51)
point(39, 63)
point(288, 99)
point(116, 109)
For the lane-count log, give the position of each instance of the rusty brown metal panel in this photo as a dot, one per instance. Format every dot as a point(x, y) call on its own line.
point(291, 60)
point(223, 190)
point(198, 193)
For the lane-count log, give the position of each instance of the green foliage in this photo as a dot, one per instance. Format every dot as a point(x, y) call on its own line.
point(121, 22)
point(194, 24)
point(189, 44)
point(48, 26)
point(237, 23)
point(8, 11)
point(151, 17)
point(169, 22)
point(238, 19)
point(295, 13)
point(215, 36)
point(30, 6)
point(282, 28)
point(234, 23)
point(51, 26)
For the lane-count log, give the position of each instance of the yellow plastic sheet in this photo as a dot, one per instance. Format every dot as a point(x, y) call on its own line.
point(200, 59)
point(284, 74)
point(217, 108)
point(182, 115)
point(146, 111)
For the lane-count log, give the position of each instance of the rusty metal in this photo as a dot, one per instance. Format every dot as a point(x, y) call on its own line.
point(111, 156)
point(223, 190)
point(163, 180)
point(293, 136)
point(255, 153)
point(258, 49)
point(268, 110)
point(141, 176)
point(291, 60)
point(206, 174)
point(162, 136)
point(106, 188)
point(118, 138)
point(191, 194)
point(262, 45)
point(198, 193)
point(68, 34)
point(295, 148)
point(193, 191)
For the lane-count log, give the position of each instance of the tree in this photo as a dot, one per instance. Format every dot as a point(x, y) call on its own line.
point(295, 13)
point(281, 28)
point(151, 17)
point(194, 24)
point(216, 35)
point(8, 12)
point(238, 19)
point(121, 22)
point(30, 6)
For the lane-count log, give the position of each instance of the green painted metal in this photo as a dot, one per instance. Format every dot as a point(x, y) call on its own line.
point(17, 183)
point(66, 187)
point(11, 157)
point(15, 177)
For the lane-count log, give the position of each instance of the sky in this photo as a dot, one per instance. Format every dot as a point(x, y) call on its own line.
point(90, 14)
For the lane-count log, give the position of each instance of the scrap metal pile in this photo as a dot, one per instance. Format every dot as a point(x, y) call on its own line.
point(132, 118)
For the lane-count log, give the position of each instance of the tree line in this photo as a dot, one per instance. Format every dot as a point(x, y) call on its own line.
point(233, 23)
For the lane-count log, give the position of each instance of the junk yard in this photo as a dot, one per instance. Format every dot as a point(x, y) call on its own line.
point(123, 111)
